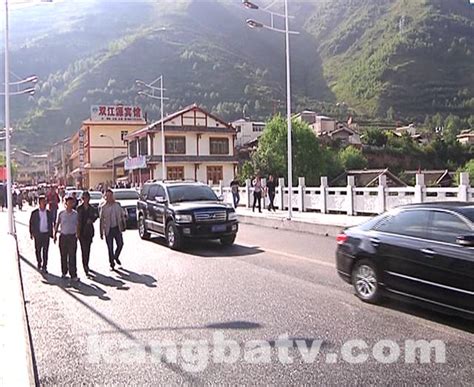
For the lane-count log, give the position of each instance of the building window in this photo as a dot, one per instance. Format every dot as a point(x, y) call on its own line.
point(132, 148)
point(215, 174)
point(219, 146)
point(143, 145)
point(123, 133)
point(175, 173)
point(175, 145)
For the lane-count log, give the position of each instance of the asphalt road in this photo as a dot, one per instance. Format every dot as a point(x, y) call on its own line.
point(162, 318)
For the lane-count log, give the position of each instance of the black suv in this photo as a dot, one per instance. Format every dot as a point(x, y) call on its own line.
point(181, 210)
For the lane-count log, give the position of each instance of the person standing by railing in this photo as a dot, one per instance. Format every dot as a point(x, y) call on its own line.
point(271, 191)
point(234, 187)
point(257, 193)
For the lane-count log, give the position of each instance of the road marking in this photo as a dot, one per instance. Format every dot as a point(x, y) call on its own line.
point(295, 256)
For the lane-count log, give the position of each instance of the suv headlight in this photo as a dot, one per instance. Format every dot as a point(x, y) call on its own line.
point(232, 215)
point(181, 218)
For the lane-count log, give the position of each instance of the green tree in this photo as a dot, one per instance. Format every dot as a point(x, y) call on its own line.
point(391, 113)
point(352, 158)
point(468, 167)
point(453, 126)
point(375, 137)
point(310, 159)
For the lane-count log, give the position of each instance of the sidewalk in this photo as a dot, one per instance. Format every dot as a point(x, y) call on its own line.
point(309, 222)
point(16, 359)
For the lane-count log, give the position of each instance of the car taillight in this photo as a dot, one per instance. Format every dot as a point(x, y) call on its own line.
point(341, 239)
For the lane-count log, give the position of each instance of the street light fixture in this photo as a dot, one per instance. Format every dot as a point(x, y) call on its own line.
point(255, 24)
point(150, 93)
point(102, 135)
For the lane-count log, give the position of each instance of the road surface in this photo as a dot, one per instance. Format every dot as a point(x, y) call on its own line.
point(270, 309)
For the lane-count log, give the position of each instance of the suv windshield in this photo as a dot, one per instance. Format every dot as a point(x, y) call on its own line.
point(191, 193)
point(126, 195)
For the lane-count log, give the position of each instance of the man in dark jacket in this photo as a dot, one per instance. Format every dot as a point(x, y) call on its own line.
point(41, 229)
point(87, 215)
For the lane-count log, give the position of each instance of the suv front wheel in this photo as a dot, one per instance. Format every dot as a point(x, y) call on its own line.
point(173, 238)
point(142, 231)
point(228, 240)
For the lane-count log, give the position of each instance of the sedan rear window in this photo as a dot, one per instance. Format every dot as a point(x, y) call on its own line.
point(412, 223)
point(468, 212)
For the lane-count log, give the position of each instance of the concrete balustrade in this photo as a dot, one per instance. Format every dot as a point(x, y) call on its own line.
point(352, 200)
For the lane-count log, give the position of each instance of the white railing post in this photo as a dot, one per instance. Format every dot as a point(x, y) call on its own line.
point(381, 194)
point(281, 193)
point(464, 186)
point(221, 187)
point(248, 187)
point(419, 188)
point(324, 202)
point(264, 196)
point(350, 195)
point(301, 193)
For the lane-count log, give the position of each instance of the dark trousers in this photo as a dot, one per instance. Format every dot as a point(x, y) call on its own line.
point(257, 200)
point(114, 234)
point(271, 197)
point(68, 249)
point(86, 252)
point(236, 197)
point(41, 249)
point(54, 214)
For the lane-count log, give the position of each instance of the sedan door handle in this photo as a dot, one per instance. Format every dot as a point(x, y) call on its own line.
point(375, 242)
point(428, 252)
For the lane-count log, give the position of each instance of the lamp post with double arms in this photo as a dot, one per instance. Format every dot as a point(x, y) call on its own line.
point(256, 24)
point(149, 91)
point(7, 118)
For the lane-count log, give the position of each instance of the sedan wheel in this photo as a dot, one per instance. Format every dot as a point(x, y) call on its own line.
point(365, 281)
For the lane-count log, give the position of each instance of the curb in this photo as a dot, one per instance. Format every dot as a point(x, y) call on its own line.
point(292, 225)
point(16, 356)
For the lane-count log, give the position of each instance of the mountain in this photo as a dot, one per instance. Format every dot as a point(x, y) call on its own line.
point(413, 57)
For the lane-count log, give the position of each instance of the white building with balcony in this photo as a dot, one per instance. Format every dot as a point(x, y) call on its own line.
point(198, 146)
point(247, 131)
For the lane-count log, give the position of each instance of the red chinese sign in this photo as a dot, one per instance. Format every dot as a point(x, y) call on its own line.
point(116, 113)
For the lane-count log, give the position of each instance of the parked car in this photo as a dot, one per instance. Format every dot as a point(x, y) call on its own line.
point(185, 210)
point(423, 253)
point(128, 198)
point(96, 198)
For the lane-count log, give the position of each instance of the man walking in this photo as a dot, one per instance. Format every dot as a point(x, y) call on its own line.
point(112, 224)
point(67, 226)
point(234, 187)
point(257, 194)
point(53, 202)
point(271, 190)
point(87, 215)
point(41, 229)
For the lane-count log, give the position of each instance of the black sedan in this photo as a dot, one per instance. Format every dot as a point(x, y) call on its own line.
point(423, 252)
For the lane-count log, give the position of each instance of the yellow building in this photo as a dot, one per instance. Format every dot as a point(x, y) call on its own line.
point(100, 140)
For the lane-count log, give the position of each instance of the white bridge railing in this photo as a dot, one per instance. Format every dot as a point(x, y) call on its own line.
point(353, 200)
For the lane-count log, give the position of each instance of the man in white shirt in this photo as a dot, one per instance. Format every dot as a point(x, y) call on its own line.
point(41, 230)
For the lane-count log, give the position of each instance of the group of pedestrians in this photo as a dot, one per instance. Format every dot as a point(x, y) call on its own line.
point(259, 192)
point(73, 225)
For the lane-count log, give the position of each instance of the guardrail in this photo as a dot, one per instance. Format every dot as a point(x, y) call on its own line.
point(352, 200)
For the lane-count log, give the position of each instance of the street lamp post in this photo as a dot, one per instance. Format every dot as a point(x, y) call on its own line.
point(7, 127)
point(7, 120)
point(102, 135)
point(151, 88)
point(256, 24)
